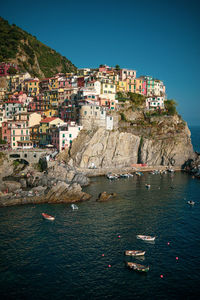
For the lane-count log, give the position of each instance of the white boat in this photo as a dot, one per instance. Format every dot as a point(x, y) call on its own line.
point(148, 186)
point(111, 176)
point(191, 202)
point(134, 253)
point(74, 206)
point(48, 217)
point(147, 238)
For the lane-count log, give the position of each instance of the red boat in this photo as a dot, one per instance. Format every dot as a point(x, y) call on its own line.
point(48, 217)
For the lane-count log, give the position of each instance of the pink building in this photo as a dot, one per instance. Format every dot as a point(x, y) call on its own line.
point(6, 132)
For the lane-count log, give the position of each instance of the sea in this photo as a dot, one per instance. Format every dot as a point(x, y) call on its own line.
point(80, 255)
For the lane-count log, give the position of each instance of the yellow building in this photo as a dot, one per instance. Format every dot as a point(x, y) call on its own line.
point(53, 83)
point(108, 89)
point(50, 112)
point(32, 87)
point(121, 86)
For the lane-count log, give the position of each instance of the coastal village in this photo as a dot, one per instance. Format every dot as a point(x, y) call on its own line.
point(50, 112)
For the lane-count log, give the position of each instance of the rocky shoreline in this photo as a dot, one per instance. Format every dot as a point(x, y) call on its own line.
point(62, 183)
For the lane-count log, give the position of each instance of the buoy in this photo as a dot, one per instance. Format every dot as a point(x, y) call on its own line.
point(168, 243)
point(109, 266)
point(102, 255)
point(119, 236)
point(176, 257)
point(161, 276)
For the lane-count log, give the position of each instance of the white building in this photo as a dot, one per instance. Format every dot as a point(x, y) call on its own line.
point(155, 102)
point(63, 135)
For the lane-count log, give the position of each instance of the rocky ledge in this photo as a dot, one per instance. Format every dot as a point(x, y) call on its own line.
point(60, 183)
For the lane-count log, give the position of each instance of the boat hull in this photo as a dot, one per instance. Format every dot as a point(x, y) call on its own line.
point(48, 217)
point(134, 253)
point(146, 238)
point(137, 267)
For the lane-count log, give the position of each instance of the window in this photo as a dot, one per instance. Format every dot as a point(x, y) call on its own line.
point(63, 135)
point(70, 135)
point(85, 112)
point(13, 132)
point(21, 131)
point(13, 138)
point(13, 144)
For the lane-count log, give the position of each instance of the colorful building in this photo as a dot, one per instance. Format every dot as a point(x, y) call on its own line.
point(63, 135)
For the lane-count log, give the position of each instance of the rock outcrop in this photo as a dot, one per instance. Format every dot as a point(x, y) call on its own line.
point(104, 196)
point(60, 183)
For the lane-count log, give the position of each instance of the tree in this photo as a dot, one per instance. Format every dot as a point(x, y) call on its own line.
point(170, 106)
point(12, 71)
point(117, 67)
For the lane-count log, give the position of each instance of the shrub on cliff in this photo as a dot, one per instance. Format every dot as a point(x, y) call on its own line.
point(170, 106)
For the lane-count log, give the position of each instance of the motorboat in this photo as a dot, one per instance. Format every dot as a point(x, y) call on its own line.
point(191, 202)
point(48, 217)
point(147, 238)
point(148, 186)
point(111, 176)
point(137, 267)
point(134, 253)
point(74, 206)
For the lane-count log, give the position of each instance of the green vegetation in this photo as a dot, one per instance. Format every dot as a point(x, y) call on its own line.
point(170, 106)
point(16, 164)
point(117, 67)
point(15, 42)
point(136, 99)
point(12, 71)
point(123, 117)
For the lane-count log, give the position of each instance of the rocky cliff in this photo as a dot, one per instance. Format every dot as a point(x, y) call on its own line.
point(155, 141)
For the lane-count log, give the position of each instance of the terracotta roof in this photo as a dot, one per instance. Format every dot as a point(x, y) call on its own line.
point(48, 120)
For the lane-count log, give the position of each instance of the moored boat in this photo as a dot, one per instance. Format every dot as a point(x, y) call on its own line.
point(48, 217)
point(191, 202)
point(148, 186)
point(137, 267)
point(134, 252)
point(147, 238)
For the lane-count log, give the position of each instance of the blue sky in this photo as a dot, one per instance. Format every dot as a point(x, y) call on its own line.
point(157, 37)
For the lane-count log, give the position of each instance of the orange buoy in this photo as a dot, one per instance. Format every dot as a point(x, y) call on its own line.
point(168, 243)
point(109, 266)
point(102, 254)
point(176, 257)
point(161, 276)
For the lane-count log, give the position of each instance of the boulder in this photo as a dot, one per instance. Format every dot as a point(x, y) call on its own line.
point(104, 196)
point(81, 179)
point(11, 186)
point(63, 193)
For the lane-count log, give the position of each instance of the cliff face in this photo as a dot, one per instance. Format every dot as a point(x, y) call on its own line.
point(165, 141)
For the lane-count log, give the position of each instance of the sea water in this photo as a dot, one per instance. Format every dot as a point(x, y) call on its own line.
point(80, 255)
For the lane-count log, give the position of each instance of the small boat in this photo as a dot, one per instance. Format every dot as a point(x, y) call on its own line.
point(170, 170)
point(124, 175)
point(139, 173)
point(74, 206)
point(147, 238)
point(48, 217)
point(148, 186)
point(191, 202)
point(134, 252)
point(111, 176)
point(137, 267)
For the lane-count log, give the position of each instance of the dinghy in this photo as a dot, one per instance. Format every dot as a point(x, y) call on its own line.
point(48, 217)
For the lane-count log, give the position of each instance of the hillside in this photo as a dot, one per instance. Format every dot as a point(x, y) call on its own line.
point(23, 49)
